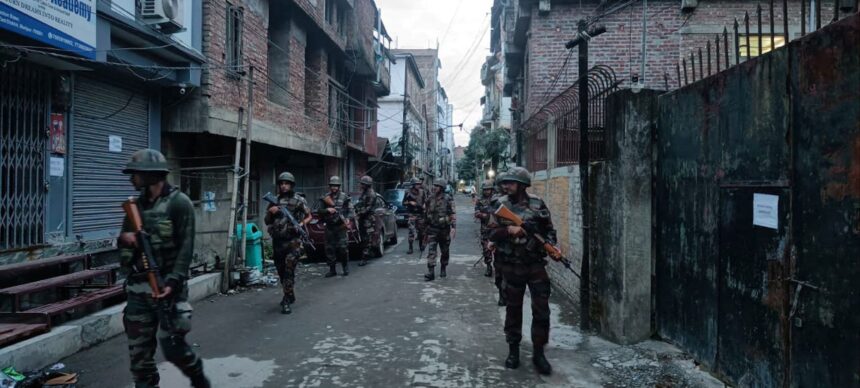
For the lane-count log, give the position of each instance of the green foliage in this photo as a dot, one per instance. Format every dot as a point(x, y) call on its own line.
point(484, 145)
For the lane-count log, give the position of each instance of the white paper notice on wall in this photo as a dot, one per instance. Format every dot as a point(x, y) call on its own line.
point(209, 201)
point(766, 210)
point(58, 166)
point(114, 143)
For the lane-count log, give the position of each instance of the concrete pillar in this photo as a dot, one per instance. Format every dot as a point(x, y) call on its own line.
point(621, 240)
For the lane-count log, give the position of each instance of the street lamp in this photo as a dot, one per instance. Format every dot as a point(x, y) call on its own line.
point(491, 174)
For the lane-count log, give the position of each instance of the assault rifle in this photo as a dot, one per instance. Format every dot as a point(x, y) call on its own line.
point(306, 238)
point(330, 203)
point(147, 263)
point(554, 253)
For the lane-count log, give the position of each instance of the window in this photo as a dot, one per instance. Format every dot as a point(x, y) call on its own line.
point(233, 45)
point(752, 41)
point(329, 11)
point(341, 20)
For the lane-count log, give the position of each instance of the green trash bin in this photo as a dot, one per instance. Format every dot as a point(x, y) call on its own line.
point(253, 247)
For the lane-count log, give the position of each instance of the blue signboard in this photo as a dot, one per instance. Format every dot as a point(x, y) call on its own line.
point(65, 24)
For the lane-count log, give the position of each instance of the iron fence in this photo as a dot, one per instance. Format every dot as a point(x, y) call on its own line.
point(552, 134)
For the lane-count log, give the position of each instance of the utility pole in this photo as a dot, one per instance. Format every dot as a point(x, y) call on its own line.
point(404, 138)
point(582, 39)
point(247, 174)
point(231, 226)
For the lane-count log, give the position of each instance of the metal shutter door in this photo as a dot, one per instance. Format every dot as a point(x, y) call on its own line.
point(99, 186)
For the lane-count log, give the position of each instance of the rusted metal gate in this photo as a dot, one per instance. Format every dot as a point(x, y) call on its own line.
point(765, 306)
point(558, 121)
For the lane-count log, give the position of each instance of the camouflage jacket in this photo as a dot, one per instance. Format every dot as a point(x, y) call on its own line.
point(440, 211)
point(524, 249)
point(483, 207)
point(342, 203)
point(417, 196)
point(169, 221)
point(279, 225)
point(368, 203)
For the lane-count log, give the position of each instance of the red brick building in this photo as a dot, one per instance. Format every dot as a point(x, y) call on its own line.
point(532, 65)
point(318, 69)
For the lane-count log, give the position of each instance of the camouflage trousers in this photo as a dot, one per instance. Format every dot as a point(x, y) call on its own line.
point(487, 254)
point(336, 245)
point(438, 239)
point(369, 237)
point(145, 326)
point(416, 230)
point(286, 255)
point(516, 278)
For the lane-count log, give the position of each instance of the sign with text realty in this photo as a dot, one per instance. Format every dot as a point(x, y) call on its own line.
point(65, 24)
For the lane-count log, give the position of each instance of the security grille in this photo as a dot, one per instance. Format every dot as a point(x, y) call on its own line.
point(24, 95)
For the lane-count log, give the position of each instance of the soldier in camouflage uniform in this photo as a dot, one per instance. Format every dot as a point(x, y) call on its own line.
point(520, 258)
point(414, 201)
point(337, 221)
point(365, 211)
point(168, 217)
point(441, 228)
point(287, 244)
point(483, 211)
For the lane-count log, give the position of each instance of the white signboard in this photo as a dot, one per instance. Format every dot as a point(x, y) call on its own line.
point(114, 143)
point(58, 166)
point(209, 201)
point(766, 210)
point(65, 24)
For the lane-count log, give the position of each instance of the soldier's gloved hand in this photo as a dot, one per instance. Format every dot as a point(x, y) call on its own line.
point(331, 210)
point(128, 239)
point(171, 287)
point(515, 231)
point(273, 210)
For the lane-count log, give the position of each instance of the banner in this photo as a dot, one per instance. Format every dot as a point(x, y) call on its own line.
point(65, 24)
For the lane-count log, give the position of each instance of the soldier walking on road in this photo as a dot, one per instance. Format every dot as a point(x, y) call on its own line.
point(521, 260)
point(483, 211)
point(336, 210)
point(414, 201)
point(167, 216)
point(441, 228)
point(287, 244)
point(365, 210)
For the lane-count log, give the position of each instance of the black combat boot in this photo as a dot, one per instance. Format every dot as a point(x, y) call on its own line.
point(363, 262)
point(285, 307)
point(409, 252)
point(502, 301)
point(200, 381)
point(513, 360)
point(442, 273)
point(541, 364)
point(489, 272)
point(431, 273)
point(331, 271)
point(345, 268)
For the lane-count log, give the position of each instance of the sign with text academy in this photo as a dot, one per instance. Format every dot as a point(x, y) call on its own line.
point(65, 24)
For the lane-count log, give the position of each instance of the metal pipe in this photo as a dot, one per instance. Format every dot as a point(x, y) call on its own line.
point(717, 43)
point(678, 69)
point(248, 141)
point(701, 65)
point(644, 36)
point(585, 286)
point(802, 17)
point(737, 46)
point(231, 250)
point(758, 17)
point(709, 57)
point(693, 64)
point(772, 28)
point(747, 31)
point(817, 14)
point(686, 81)
point(787, 36)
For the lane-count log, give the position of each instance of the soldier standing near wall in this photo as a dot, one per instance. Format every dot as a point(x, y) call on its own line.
point(483, 211)
point(441, 228)
point(336, 210)
point(287, 244)
point(167, 217)
point(414, 201)
point(365, 210)
point(520, 258)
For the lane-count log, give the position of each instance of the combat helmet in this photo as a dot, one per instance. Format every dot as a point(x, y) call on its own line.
point(366, 180)
point(334, 181)
point(287, 177)
point(146, 160)
point(488, 185)
point(517, 174)
point(440, 182)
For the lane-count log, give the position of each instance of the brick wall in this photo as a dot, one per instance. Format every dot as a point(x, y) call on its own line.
point(671, 35)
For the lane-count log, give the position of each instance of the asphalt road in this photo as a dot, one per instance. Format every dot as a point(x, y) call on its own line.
point(382, 326)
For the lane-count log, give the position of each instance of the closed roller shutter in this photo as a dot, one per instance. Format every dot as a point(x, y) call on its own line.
point(99, 186)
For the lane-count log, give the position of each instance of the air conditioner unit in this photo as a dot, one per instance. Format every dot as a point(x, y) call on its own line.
point(166, 15)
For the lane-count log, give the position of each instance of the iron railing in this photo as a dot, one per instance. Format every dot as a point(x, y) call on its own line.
point(552, 134)
point(24, 95)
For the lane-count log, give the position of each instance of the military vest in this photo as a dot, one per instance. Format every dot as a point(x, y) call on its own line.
point(368, 203)
point(483, 205)
point(339, 200)
point(439, 210)
point(523, 249)
point(281, 227)
point(418, 197)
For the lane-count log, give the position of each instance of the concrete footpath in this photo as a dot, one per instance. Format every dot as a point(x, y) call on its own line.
point(384, 326)
point(69, 338)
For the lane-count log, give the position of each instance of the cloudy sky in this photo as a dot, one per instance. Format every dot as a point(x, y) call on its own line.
point(462, 29)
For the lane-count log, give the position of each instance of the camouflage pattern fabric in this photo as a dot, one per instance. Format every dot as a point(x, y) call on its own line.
point(365, 211)
point(417, 227)
point(287, 247)
point(336, 238)
point(170, 224)
point(441, 217)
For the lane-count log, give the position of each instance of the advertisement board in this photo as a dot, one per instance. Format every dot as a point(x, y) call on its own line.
point(66, 24)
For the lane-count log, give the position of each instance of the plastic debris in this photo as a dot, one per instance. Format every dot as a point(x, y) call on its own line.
point(58, 366)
